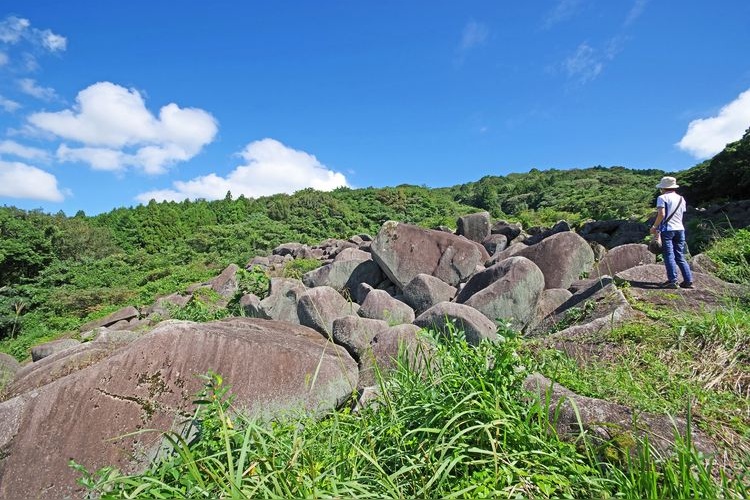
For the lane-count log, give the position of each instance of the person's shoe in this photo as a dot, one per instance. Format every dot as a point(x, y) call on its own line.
point(686, 284)
point(670, 284)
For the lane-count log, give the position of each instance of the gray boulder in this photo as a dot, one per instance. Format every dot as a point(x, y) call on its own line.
point(549, 301)
point(126, 313)
point(508, 290)
point(495, 243)
point(282, 300)
point(93, 416)
point(49, 348)
point(475, 227)
point(509, 229)
point(319, 307)
point(403, 251)
point(613, 428)
point(387, 346)
point(446, 317)
point(621, 258)
point(562, 258)
point(225, 284)
point(424, 291)
point(350, 268)
point(379, 305)
point(8, 368)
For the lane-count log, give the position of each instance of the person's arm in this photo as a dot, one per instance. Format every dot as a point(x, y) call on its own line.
point(659, 218)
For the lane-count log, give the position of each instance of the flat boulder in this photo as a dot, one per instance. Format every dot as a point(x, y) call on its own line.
point(93, 416)
point(41, 351)
point(126, 313)
point(612, 428)
point(621, 258)
point(403, 251)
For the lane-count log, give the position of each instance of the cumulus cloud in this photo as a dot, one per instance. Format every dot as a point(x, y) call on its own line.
point(270, 167)
point(13, 148)
point(18, 180)
point(112, 123)
point(30, 87)
point(706, 137)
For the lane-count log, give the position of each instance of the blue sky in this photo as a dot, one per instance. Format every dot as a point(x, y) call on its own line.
point(109, 104)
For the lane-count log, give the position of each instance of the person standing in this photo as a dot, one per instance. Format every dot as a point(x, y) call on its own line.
point(669, 209)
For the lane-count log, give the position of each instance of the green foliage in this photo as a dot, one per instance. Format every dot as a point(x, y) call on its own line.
point(724, 177)
point(461, 429)
point(298, 267)
point(255, 281)
point(732, 256)
point(204, 305)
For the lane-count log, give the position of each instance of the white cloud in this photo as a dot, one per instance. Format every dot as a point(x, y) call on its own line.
point(563, 10)
point(706, 137)
point(270, 167)
point(635, 11)
point(18, 180)
point(53, 42)
point(8, 105)
point(584, 65)
point(3, 58)
point(97, 158)
point(112, 117)
point(15, 149)
point(12, 29)
point(474, 34)
point(30, 87)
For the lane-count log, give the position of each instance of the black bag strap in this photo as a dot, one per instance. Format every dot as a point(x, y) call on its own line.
point(664, 222)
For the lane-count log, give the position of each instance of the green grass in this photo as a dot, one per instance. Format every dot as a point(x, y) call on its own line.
point(463, 428)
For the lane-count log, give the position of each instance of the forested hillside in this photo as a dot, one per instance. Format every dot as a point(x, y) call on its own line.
point(57, 271)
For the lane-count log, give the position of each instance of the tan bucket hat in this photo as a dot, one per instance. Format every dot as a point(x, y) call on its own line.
point(667, 182)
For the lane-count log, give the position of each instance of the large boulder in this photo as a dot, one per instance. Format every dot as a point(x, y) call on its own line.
point(350, 268)
point(424, 291)
point(613, 429)
point(562, 258)
point(621, 258)
point(93, 416)
point(9, 366)
point(64, 362)
point(319, 307)
point(403, 251)
point(225, 284)
point(509, 229)
point(281, 303)
point(387, 346)
point(41, 351)
point(508, 290)
point(475, 227)
point(447, 317)
point(378, 304)
point(126, 313)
